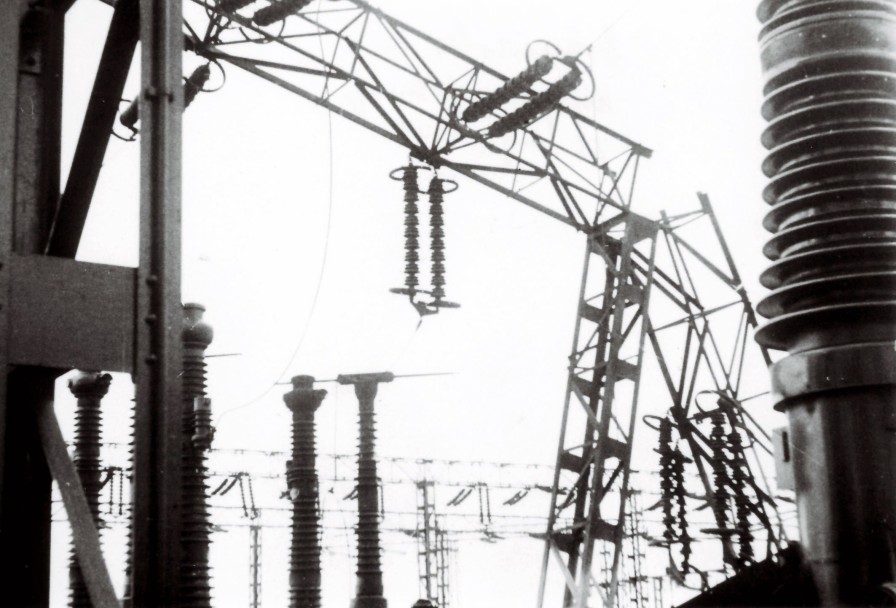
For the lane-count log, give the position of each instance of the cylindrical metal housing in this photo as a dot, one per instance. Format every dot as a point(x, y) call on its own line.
point(830, 99)
point(302, 482)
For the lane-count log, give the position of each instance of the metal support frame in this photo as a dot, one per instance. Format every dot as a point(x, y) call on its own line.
point(398, 82)
point(42, 335)
point(432, 548)
point(640, 262)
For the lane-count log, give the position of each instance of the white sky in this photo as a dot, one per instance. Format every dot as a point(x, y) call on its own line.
point(682, 78)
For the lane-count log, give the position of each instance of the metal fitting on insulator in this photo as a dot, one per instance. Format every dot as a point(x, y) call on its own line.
point(192, 85)
point(538, 106)
point(512, 88)
point(232, 6)
point(203, 433)
point(278, 11)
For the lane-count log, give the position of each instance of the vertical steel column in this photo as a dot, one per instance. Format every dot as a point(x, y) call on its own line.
point(31, 106)
point(369, 589)
point(301, 478)
point(830, 69)
point(158, 559)
point(89, 388)
point(197, 439)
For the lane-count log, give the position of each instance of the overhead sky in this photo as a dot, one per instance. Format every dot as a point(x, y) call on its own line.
point(293, 237)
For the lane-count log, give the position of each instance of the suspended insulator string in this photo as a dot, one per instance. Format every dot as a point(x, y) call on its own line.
point(741, 500)
point(437, 237)
point(411, 229)
point(666, 479)
point(684, 537)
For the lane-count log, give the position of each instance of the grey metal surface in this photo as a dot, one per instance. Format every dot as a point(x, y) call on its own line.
point(66, 314)
point(158, 559)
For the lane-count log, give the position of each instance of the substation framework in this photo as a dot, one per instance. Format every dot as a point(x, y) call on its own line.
point(401, 84)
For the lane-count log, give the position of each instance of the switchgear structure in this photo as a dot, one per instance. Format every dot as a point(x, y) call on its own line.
point(449, 112)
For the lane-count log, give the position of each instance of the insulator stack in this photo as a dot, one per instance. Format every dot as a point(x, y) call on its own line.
point(370, 576)
point(192, 85)
point(302, 482)
point(829, 85)
point(278, 11)
point(411, 229)
point(195, 523)
point(721, 480)
point(667, 483)
point(232, 6)
point(369, 587)
point(514, 87)
point(684, 537)
point(742, 503)
point(89, 388)
point(539, 105)
point(437, 237)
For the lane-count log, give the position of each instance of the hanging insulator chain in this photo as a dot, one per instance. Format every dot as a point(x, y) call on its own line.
point(684, 537)
point(437, 236)
point(721, 480)
point(539, 105)
point(666, 479)
point(741, 500)
point(411, 229)
point(514, 87)
point(278, 11)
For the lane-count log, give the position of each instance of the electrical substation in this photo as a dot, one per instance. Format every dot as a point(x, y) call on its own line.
point(427, 443)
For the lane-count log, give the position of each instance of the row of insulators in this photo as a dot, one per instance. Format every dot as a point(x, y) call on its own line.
point(736, 481)
point(537, 106)
point(192, 85)
point(436, 192)
point(270, 14)
point(514, 87)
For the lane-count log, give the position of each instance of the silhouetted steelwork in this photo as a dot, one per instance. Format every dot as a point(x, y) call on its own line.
point(369, 589)
point(89, 388)
point(301, 479)
point(829, 70)
point(197, 438)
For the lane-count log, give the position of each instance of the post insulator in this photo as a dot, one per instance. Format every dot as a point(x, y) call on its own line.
point(510, 89)
point(538, 106)
point(278, 11)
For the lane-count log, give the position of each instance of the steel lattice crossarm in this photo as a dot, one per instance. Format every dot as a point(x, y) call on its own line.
point(404, 85)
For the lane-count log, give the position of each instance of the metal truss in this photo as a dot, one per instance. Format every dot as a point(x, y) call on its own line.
point(404, 85)
point(654, 284)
